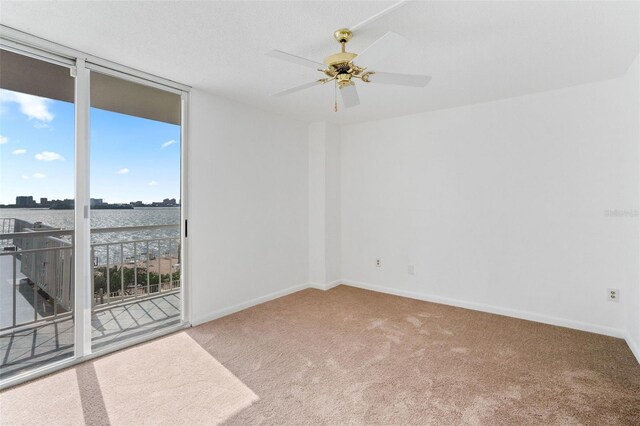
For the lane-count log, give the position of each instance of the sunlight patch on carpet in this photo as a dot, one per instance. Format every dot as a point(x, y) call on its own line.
point(178, 381)
point(168, 381)
point(55, 400)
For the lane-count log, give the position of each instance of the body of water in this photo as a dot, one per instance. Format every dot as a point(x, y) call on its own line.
point(63, 219)
point(142, 216)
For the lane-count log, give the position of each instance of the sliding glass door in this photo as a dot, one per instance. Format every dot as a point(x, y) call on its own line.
point(37, 122)
point(91, 245)
point(135, 208)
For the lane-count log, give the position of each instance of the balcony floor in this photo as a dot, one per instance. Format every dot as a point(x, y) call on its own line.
point(53, 341)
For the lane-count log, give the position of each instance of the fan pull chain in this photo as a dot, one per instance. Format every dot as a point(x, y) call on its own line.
point(335, 96)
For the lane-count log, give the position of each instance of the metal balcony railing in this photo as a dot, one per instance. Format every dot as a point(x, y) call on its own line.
point(134, 268)
point(37, 264)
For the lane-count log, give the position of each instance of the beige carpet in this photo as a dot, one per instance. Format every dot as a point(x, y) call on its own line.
point(347, 356)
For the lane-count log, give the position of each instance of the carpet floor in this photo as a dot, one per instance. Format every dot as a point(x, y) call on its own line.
point(347, 356)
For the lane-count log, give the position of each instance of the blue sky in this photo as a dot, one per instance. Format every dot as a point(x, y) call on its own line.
point(132, 158)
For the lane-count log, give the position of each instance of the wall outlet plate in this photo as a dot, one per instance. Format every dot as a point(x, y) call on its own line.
point(411, 269)
point(613, 295)
point(378, 263)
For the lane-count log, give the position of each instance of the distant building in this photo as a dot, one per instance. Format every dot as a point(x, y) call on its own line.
point(95, 203)
point(25, 201)
point(66, 204)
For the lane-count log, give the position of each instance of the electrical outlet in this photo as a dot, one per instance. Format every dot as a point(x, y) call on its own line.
point(613, 295)
point(378, 263)
point(411, 269)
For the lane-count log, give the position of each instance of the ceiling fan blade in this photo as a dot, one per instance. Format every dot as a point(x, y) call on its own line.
point(349, 96)
point(296, 88)
point(399, 79)
point(284, 56)
point(378, 15)
point(380, 49)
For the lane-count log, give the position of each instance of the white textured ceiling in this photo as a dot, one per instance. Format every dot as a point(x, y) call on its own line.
point(475, 51)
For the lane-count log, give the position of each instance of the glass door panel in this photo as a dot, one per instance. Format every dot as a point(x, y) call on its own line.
point(135, 209)
point(37, 156)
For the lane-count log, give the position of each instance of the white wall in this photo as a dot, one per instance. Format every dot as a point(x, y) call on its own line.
point(501, 206)
point(324, 203)
point(248, 204)
point(332, 196)
point(317, 203)
point(633, 311)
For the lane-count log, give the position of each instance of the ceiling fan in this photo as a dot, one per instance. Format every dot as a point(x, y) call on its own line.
point(341, 69)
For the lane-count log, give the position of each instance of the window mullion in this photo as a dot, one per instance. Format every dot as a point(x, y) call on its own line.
point(82, 240)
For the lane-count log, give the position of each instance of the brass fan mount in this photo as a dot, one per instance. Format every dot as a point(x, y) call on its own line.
point(343, 35)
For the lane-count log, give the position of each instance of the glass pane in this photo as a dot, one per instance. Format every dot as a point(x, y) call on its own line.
point(36, 194)
point(135, 181)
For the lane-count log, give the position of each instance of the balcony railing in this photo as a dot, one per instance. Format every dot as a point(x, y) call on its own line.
point(39, 260)
point(134, 268)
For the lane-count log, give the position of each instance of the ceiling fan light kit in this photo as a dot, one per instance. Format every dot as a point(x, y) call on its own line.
point(341, 69)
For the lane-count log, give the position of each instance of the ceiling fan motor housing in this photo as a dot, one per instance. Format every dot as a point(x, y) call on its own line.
point(338, 59)
point(340, 65)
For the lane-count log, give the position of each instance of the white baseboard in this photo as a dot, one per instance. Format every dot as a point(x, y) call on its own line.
point(327, 286)
point(248, 304)
point(634, 346)
point(562, 322)
point(262, 299)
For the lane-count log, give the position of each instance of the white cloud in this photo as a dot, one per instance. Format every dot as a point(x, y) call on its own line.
point(123, 171)
point(39, 176)
point(153, 183)
point(19, 151)
point(168, 143)
point(25, 177)
point(34, 107)
point(3, 139)
point(48, 156)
